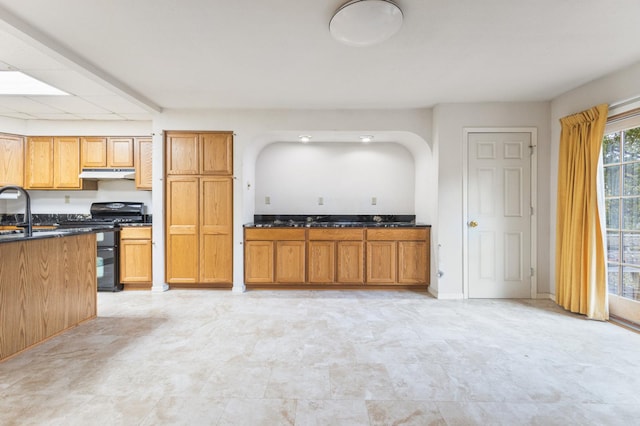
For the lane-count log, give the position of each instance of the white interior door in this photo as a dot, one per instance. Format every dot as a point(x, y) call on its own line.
point(499, 215)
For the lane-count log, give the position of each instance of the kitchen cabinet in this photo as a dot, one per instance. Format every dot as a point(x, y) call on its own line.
point(397, 256)
point(143, 163)
point(182, 230)
point(135, 257)
point(216, 230)
point(204, 153)
point(54, 163)
point(275, 256)
point(11, 160)
point(336, 256)
point(199, 225)
point(107, 152)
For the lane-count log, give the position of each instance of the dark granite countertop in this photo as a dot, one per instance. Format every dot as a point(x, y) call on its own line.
point(18, 235)
point(334, 221)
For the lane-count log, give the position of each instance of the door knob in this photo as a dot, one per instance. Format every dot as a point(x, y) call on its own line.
point(473, 224)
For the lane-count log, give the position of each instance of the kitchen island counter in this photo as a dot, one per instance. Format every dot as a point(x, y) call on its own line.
point(9, 236)
point(48, 284)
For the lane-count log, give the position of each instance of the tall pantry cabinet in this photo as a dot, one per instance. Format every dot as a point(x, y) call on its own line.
point(199, 209)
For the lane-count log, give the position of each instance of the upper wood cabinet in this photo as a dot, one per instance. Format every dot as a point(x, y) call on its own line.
point(54, 163)
point(116, 152)
point(94, 152)
point(11, 160)
point(143, 163)
point(205, 153)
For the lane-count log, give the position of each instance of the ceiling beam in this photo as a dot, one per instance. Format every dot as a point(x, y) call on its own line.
point(37, 39)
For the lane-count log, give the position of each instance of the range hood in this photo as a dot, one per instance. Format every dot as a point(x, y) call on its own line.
point(100, 174)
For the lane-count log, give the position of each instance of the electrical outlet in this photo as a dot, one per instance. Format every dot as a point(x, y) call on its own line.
point(320, 201)
point(267, 200)
point(374, 201)
point(67, 199)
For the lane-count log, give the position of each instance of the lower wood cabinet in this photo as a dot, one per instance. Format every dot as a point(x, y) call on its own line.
point(135, 257)
point(274, 256)
point(337, 256)
point(199, 231)
point(398, 256)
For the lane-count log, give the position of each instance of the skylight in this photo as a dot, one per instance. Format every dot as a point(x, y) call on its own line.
point(17, 83)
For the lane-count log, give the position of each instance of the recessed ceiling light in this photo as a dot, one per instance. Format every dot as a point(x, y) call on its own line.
point(17, 83)
point(365, 22)
point(304, 138)
point(366, 138)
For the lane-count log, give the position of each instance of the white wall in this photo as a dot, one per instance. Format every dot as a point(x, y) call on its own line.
point(449, 122)
point(255, 129)
point(80, 201)
point(346, 176)
point(611, 89)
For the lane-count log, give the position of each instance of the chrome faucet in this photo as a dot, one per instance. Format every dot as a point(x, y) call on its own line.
point(28, 231)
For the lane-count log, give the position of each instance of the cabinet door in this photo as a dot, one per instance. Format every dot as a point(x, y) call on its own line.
point(216, 155)
point(94, 152)
point(290, 262)
point(40, 163)
point(412, 262)
point(120, 152)
point(350, 262)
point(182, 230)
point(381, 262)
point(182, 154)
point(216, 228)
point(135, 261)
point(322, 261)
point(11, 160)
point(67, 163)
point(258, 262)
point(144, 163)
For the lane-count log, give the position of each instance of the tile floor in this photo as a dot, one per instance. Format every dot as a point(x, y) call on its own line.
point(325, 358)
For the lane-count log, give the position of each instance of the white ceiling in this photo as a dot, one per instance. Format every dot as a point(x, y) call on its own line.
point(124, 59)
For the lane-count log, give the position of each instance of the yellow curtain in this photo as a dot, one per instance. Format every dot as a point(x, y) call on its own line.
point(580, 254)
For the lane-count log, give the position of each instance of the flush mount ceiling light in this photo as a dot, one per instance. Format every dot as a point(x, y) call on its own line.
point(304, 138)
point(17, 83)
point(365, 22)
point(366, 138)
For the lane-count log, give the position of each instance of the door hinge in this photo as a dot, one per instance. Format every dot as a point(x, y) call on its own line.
point(531, 210)
point(531, 148)
point(533, 272)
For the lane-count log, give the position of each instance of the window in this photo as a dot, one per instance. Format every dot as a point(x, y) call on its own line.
point(621, 155)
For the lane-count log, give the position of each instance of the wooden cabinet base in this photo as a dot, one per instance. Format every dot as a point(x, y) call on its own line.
point(136, 286)
point(276, 286)
point(46, 287)
point(201, 285)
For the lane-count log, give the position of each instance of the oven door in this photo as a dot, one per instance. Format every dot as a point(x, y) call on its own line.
point(107, 269)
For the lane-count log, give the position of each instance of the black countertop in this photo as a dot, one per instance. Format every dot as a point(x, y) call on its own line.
point(334, 221)
point(19, 235)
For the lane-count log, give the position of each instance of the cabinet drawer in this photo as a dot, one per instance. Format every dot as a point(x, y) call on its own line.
point(413, 234)
point(274, 234)
point(135, 233)
point(341, 234)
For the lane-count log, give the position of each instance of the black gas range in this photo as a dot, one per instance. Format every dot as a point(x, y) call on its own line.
point(112, 215)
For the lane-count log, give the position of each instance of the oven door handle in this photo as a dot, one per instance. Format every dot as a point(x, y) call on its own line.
point(106, 248)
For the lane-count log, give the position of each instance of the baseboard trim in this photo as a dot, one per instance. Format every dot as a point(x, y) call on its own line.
point(546, 296)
